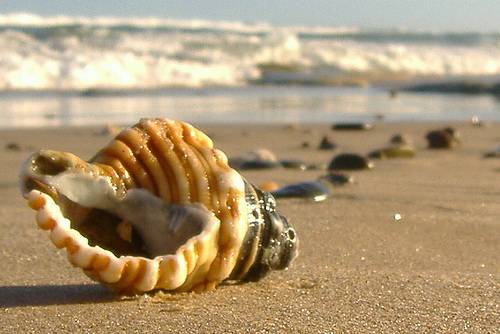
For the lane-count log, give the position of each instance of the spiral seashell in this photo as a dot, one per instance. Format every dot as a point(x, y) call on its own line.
point(157, 208)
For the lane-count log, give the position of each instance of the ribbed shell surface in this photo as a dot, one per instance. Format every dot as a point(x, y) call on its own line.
point(178, 163)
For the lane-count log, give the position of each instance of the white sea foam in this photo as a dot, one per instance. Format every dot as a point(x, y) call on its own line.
point(78, 53)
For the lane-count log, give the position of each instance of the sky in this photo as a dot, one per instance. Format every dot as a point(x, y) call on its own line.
point(451, 15)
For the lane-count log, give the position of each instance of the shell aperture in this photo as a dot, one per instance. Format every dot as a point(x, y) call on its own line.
point(157, 208)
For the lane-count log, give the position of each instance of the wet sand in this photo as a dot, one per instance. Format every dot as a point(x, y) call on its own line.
point(359, 270)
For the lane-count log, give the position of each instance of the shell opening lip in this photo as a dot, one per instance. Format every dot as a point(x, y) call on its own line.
point(138, 224)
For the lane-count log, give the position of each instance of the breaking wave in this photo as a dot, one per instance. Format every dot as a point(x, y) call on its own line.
point(78, 54)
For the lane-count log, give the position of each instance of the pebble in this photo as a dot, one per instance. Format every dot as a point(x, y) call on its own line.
point(269, 186)
point(352, 126)
point(258, 164)
point(400, 139)
point(336, 179)
point(350, 161)
point(294, 164)
point(390, 152)
point(314, 190)
point(443, 138)
point(13, 146)
point(257, 159)
point(326, 144)
point(109, 130)
point(493, 154)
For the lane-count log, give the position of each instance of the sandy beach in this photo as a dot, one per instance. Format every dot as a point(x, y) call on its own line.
point(437, 270)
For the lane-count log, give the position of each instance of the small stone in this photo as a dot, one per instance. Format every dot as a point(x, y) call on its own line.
point(336, 179)
point(443, 139)
point(269, 186)
point(350, 161)
point(258, 159)
point(262, 154)
point(292, 127)
point(110, 130)
point(352, 126)
point(294, 164)
point(258, 164)
point(12, 146)
point(493, 154)
point(314, 190)
point(396, 151)
point(316, 166)
point(400, 139)
point(326, 144)
point(305, 144)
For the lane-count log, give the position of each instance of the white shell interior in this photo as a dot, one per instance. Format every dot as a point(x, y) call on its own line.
point(166, 271)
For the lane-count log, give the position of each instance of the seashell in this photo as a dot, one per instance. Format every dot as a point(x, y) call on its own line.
point(157, 208)
point(350, 161)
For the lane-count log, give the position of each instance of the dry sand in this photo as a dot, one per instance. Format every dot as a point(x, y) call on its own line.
point(359, 270)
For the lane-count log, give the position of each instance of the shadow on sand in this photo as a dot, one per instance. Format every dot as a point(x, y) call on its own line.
point(42, 295)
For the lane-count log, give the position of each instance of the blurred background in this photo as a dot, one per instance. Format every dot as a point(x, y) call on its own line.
point(93, 62)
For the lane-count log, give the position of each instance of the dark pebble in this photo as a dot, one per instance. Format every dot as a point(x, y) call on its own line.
point(336, 179)
point(397, 151)
point(326, 144)
point(493, 154)
point(400, 139)
point(305, 144)
point(258, 164)
point(352, 126)
point(314, 190)
point(12, 146)
point(442, 139)
point(236, 162)
point(315, 166)
point(349, 161)
point(294, 164)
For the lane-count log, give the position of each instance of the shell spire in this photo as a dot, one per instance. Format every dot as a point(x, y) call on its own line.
point(157, 208)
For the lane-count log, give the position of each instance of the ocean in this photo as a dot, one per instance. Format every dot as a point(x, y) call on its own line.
point(86, 71)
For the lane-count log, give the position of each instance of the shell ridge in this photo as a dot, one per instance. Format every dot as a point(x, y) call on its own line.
point(135, 140)
point(134, 165)
point(164, 144)
point(226, 258)
point(167, 188)
point(211, 201)
point(180, 150)
point(123, 174)
point(114, 160)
